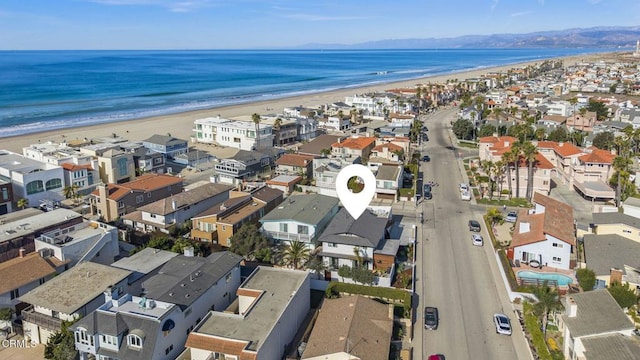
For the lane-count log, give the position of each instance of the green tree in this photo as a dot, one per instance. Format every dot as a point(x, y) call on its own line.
point(509, 158)
point(463, 129)
point(317, 266)
point(494, 216)
point(23, 203)
point(586, 278)
point(559, 134)
point(325, 152)
point(604, 141)
point(69, 192)
point(277, 125)
point(248, 241)
point(599, 108)
point(344, 272)
point(530, 153)
point(548, 300)
point(540, 134)
point(296, 252)
point(161, 241)
point(61, 345)
point(362, 275)
point(487, 130)
point(624, 295)
point(180, 244)
point(6, 314)
point(256, 120)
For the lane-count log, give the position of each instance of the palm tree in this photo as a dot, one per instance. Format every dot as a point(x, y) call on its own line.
point(317, 266)
point(573, 101)
point(508, 158)
point(277, 124)
point(489, 168)
point(23, 203)
point(500, 164)
point(70, 191)
point(540, 134)
point(358, 254)
point(529, 152)
point(256, 120)
point(548, 301)
point(621, 166)
point(516, 148)
point(296, 252)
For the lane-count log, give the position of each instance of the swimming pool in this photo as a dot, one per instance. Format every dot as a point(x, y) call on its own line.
point(562, 280)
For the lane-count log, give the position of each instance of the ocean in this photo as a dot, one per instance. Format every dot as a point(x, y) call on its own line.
point(45, 90)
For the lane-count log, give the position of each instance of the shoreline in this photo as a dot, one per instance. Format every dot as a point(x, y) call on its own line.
point(180, 124)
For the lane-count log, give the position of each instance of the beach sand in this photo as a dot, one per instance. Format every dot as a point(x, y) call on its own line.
point(180, 125)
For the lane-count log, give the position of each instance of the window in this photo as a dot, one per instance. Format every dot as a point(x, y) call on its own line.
point(123, 166)
point(148, 195)
point(333, 245)
point(15, 294)
point(168, 350)
point(134, 341)
point(108, 340)
point(5, 194)
point(41, 281)
point(120, 204)
point(153, 216)
point(82, 337)
point(626, 231)
point(284, 227)
point(557, 259)
point(34, 187)
point(54, 184)
point(303, 229)
point(139, 199)
point(558, 245)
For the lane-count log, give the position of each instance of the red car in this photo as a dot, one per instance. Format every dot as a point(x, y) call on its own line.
point(436, 357)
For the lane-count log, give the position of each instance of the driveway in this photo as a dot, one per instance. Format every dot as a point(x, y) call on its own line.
point(582, 208)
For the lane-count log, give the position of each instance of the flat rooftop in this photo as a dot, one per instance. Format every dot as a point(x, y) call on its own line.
point(18, 163)
point(145, 261)
point(74, 288)
point(74, 234)
point(28, 225)
point(136, 305)
point(278, 286)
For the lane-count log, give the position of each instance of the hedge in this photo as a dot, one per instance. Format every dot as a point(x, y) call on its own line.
point(533, 328)
point(402, 296)
point(513, 283)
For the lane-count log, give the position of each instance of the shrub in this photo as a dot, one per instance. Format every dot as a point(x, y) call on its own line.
point(508, 270)
point(586, 278)
point(400, 296)
point(537, 338)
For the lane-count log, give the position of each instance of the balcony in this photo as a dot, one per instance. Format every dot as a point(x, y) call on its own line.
point(287, 236)
point(42, 320)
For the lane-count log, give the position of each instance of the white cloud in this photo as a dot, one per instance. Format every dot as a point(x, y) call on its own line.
point(521, 13)
point(314, 17)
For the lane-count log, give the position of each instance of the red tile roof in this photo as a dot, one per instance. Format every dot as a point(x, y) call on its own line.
point(541, 162)
point(294, 160)
point(598, 156)
point(74, 167)
point(535, 233)
point(566, 149)
point(498, 139)
point(146, 182)
point(557, 221)
point(355, 143)
point(390, 147)
point(546, 144)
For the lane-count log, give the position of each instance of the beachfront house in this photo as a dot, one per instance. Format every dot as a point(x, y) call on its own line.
point(233, 133)
point(166, 145)
point(359, 243)
point(155, 325)
point(176, 210)
point(335, 123)
point(595, 327)
point(367, 320)
point(35, 181)
point(299, 218)
point(68, 297)
point(271, 307)
point(111, 201)
point(19, 229)
point(545, 235)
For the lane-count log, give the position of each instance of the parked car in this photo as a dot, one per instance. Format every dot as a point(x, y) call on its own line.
point(512, 216)
point(463, 187)
point(503, 324)
point(426, 158)
point(474, 226)
point(477, 240)
point(436, 357)
point(465, 195)
point(427, 192)
point(431, 318)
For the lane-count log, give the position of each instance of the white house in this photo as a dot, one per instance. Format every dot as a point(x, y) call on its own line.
point(388, 181)
point(335, 123)
point(544, 235)
point(31, 179)
point(233, 133)
point(300, 218)
point(272, 304)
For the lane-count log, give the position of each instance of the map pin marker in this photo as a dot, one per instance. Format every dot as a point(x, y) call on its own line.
point(355, 203)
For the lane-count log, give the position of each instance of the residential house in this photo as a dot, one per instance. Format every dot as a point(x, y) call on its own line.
point(86, 241)
point(272, 304)
point(193, 158)
point(301, 218)
point(320, 146)
point(286, 132)
point(295, 165)
point(354, 146)
point(84, 177)
point(6, 195)
point(143, 265)
point(615, 223)
point(470, 113)
point(388, 181)
point(613, 258)
point(271, 197)
point(488, 144)
point(116, 166)
point(388, 151)
point(177, 209)
point(326, 170)
point(351, 327)
point(67, 297)
point(590, 174)
point(559, 107)
point(584, 123)
point(23, 274)
point(565, 155)
point(284, 183)
point(112, 201)
point(19, 229)
point(359, 242)
point(166, 145)
point(156, 324)
point(595, 327)
point(545, 234)
point(243, 166)
point(631, 207)
point(233, 133)
point(31, 179)
point(401, 120)
point(552, 121)
point(220, 222)
point(335, 123)
point(149, 161)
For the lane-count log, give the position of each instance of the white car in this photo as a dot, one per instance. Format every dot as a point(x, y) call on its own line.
point(477, 240)
point(503, 324)
point(465, 195)
point(464, 187)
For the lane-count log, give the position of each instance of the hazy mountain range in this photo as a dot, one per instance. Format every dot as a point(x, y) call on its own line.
point(596, 37)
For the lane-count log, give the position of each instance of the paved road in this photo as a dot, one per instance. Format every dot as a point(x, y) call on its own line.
point(452, 274)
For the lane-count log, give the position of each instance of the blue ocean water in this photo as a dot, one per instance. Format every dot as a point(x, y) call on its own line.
point(45, 90)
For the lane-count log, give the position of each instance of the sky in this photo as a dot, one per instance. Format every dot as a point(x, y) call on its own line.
point(254, 24)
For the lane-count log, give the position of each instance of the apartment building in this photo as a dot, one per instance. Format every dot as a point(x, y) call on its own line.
point(233, 133)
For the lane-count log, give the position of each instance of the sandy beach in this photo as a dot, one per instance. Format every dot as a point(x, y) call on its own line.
point(180, 125)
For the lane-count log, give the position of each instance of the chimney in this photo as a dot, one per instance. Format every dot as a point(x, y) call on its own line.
point(22, 252)
point(188, 251)
point(615, 275)
point(572, 307)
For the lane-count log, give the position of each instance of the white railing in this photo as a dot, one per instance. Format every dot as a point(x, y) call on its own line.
point(287, 236)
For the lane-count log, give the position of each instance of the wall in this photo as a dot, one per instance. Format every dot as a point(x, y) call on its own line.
point(625, 231)
point(546, 249)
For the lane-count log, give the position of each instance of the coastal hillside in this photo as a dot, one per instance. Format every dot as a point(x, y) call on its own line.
point(596, 37)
